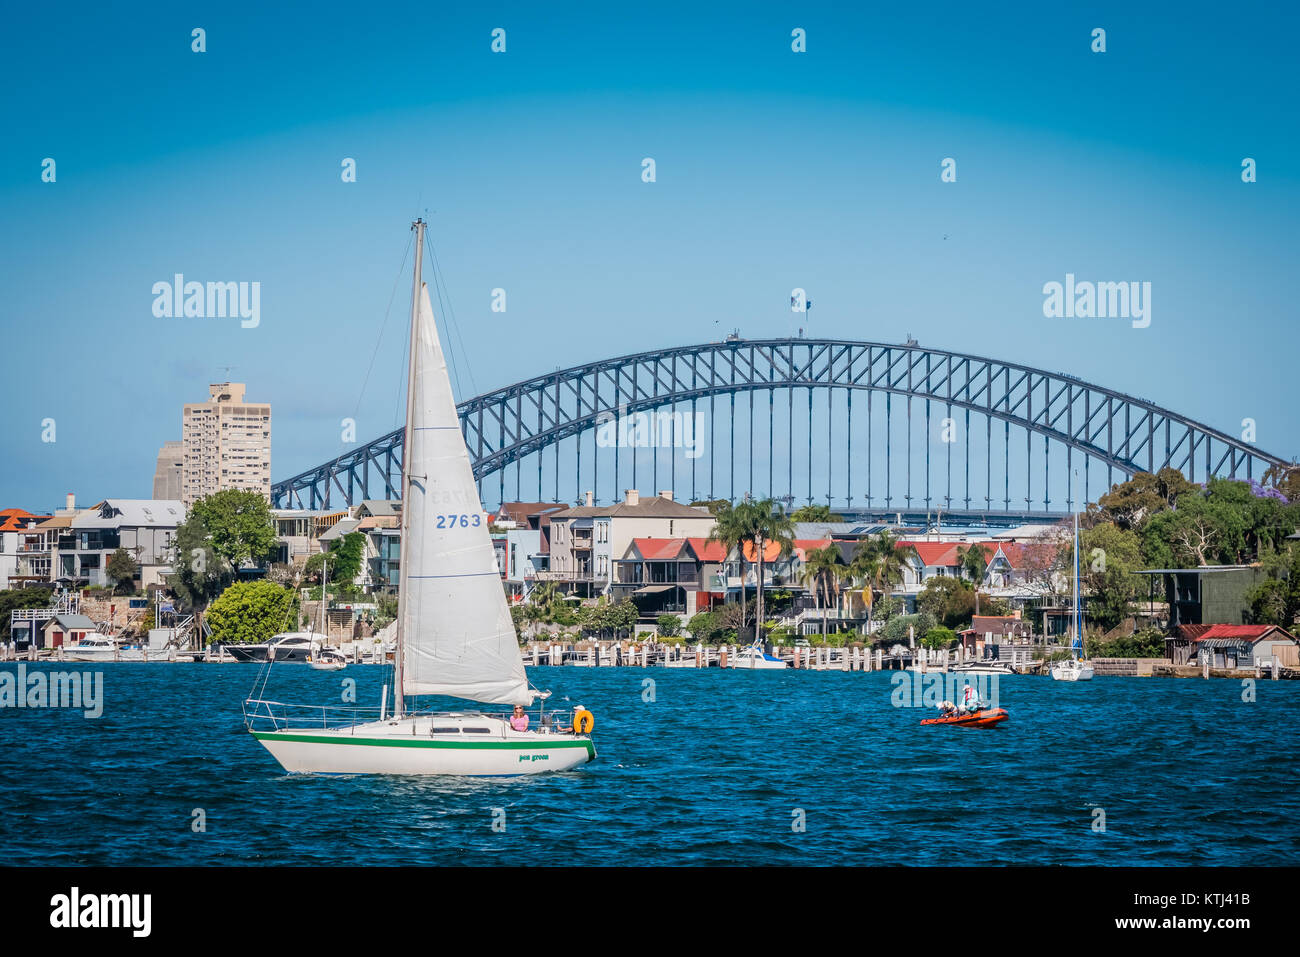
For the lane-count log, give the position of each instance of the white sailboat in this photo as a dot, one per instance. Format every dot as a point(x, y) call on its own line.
point(455, 636)
point(1076, 667)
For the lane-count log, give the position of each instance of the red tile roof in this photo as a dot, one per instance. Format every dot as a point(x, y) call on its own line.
point(772, 550)
point(659, 549)
point(708, 551)
point(934, 554)
point(1019, 554)
point(1249, 632)
point(16, 519)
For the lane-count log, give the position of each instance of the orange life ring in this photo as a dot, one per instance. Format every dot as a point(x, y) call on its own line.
point(583, 721)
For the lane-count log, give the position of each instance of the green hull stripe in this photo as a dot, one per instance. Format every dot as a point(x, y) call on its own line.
point(414, 742)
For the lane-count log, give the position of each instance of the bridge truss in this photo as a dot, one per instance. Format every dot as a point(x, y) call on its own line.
point(917, 410)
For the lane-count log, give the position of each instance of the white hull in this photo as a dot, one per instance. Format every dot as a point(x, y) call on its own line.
point(72, 653)
point(407, 746)
point(983, 670)
point(756, 664)
point(1073, 671)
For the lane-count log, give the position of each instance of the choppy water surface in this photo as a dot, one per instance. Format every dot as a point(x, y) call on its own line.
point(711, 772)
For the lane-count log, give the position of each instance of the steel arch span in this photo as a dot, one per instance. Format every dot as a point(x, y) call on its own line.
point(1062, 413)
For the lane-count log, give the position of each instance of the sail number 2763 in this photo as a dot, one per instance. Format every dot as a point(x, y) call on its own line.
point(459, 521)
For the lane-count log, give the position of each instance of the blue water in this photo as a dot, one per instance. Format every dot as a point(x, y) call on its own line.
point(711, 772)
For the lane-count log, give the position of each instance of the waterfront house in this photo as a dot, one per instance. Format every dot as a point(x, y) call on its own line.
point(1180, 644)
point(930, 560)
point(80, 543)
point(1245, 646)
point(586, 539)
point(680, 576)
point(990, 631)
point(1206, 595)
point(526, 544)
point(299, 532)
point(23, 555)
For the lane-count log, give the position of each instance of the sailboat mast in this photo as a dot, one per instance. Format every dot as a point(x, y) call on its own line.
point(1075, 623)
point(399, 698)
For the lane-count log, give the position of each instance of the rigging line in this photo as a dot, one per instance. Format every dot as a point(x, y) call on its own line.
point(378, 341)
point(449, 348)
point(451, 316)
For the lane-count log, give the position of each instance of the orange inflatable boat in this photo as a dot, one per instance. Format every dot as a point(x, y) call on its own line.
point(984, 718)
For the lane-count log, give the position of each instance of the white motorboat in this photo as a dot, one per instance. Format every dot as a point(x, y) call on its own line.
point(99, 647)
point(455, 636)
point(288, 646)
point(754, 658)
point(982, 668)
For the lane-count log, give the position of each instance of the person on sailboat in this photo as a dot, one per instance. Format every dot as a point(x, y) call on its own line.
point(519, 720)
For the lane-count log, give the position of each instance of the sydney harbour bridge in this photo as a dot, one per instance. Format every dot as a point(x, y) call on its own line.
point(866, 427)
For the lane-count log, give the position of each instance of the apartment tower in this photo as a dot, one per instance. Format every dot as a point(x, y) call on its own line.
point(227, 444)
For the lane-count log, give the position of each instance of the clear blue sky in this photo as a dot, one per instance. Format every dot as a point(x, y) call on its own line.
point(775, 170)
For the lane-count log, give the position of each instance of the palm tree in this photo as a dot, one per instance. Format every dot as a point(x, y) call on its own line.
point(731, 530)
point(821, 573)
point(864, 569)
point(974, 563)
point(768, 523)
point(892, 559)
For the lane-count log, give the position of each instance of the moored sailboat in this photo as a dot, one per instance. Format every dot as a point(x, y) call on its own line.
point(455, 636)
point(1076, 667)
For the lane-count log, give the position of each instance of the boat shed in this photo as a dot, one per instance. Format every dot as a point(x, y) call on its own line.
point(67, 629)
point(1246, 646)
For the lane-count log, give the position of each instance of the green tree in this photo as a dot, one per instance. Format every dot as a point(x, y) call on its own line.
point(950, 601)
point(731, 529)
point(1109, 555)
point(1142, 644)
point(668, 626)
point(822, 573)
point(238, 524)
point(198, 575)
point(815, 513)
point(14, 599)
point(893, 557)
point(1276, 600)
point(895, 630)
point(251, 612)
point(974, 562)
point(1131, 503)
point(707, 628)
point(768, 523)
point(343, 560)
point(938, 638)
point(121, 568)
point(221, 532)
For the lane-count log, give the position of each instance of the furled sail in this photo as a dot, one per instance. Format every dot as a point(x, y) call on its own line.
point(457, 635)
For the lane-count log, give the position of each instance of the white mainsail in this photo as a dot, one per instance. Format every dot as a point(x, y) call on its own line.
point(457, 635)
